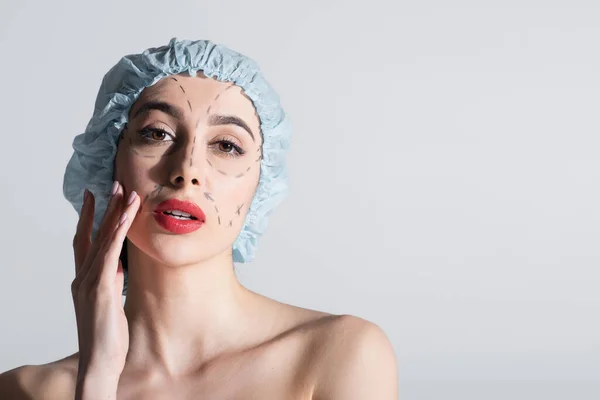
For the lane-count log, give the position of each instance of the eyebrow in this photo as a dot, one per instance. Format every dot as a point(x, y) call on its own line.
point(167, 108)
point(175, 112)
point(216, 119)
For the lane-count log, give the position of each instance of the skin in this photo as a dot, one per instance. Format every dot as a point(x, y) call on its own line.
point(189, 328)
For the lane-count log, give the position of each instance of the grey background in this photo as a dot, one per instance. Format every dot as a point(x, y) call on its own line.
point(444, 173)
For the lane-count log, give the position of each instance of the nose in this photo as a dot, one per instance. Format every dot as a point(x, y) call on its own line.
point(180, 181)
point(185, 168)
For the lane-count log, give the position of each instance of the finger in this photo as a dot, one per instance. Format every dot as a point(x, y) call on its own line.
point(109, 271)
point(106, 224)
point(109, 222)
point(82, 239)
point(105, 263)
point(103, 232)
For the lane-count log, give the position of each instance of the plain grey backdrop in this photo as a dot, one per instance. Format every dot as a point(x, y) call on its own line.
point(444, 175)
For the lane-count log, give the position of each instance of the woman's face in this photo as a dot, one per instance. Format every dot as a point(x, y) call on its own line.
point(194, 139)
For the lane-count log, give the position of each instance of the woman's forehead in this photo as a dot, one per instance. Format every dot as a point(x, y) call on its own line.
point(200, 94)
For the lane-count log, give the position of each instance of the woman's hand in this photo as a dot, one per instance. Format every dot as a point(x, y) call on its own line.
point(98, 285)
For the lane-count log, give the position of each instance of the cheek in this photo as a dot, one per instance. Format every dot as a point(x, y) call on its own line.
point(235, 189)
point(232, 197)
point(132, 171)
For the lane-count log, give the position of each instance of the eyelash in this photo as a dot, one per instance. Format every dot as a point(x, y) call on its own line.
point(146, 132)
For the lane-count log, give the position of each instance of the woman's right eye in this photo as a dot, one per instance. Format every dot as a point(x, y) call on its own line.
point(155, 135)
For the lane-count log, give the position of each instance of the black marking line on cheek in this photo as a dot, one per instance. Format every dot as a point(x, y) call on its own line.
point(174, 79)
point(248, 169)
point(216, 209)
point(218, 170)
point(182, 89)
point(141, 155)
point(157, 189)
point(209, 163)
point(135, 152)
point(208, 196)
point(190, 104)
point(208, 109)
point(231, 223)
point(239, 208)
point(219, 219)
point(240, 175)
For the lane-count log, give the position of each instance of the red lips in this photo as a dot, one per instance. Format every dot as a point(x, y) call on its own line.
point(175, 225)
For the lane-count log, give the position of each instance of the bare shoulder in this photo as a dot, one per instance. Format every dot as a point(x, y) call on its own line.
point(353, 359)
point(52, 381)
point(342, 356)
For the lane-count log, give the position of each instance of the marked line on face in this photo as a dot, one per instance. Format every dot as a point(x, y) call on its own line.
point(208, 196)
point(157, 190)
point(231, 223)
point(192, 152)
point(223, 91)
point(219, 219)
point(174, 79)
point(239, 209)
point(182, 89)
point(135, 152)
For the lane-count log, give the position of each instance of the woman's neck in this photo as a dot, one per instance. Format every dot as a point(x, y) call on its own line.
point(180, 317)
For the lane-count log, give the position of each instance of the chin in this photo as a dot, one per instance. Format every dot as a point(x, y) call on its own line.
point(174, 250)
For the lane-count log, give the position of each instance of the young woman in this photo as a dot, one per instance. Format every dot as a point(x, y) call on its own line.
point(173, 179)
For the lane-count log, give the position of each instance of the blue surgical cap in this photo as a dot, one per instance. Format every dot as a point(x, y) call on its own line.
point(91, 165)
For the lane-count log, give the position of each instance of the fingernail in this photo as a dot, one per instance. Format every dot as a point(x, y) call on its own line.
point(131, 197)
point(86, 193)
point(123, 218)
point(115, 187)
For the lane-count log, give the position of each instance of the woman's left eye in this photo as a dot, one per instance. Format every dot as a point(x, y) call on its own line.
point(229, 148)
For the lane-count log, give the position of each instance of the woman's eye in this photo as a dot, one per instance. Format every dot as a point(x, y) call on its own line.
point(229, 148)
point(155, 134)
point(226, 147)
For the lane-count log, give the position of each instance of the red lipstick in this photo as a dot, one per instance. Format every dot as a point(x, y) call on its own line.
point(179, 216)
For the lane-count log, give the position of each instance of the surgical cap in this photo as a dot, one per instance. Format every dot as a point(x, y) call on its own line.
point(91, 165)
